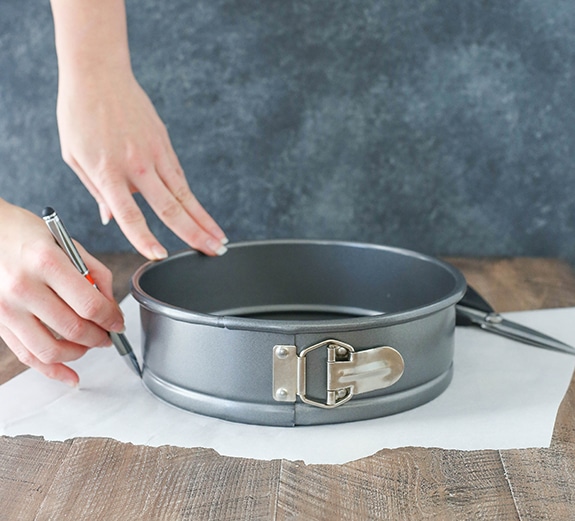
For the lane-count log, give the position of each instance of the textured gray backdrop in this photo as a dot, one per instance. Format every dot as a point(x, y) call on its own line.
point(442, 126)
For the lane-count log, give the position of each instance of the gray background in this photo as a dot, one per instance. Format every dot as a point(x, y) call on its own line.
point(440, 126)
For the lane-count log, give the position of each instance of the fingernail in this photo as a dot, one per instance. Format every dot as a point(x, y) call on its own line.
point(104, 213)
point(158, 252)
point(70, 382)
point(225, 240)
point(118, 327)
point(217, 247)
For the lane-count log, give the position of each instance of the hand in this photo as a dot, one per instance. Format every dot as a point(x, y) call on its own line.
point(113, 139)
point(49, 313)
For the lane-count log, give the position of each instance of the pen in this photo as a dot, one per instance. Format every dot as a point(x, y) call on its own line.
point(65, 242)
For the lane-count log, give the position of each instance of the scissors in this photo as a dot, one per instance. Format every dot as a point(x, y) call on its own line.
point(474, 310)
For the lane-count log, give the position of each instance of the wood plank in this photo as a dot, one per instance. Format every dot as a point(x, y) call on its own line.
point(519, 284)
point(10, 366)
point(564, 431)
point(106, 479)
point(399, 484)
point(27, 469)
point(542, 482)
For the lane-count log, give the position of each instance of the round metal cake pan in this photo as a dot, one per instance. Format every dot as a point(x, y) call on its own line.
point(247, 336)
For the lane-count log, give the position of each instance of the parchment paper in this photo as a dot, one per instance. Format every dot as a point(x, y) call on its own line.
point(504, 395)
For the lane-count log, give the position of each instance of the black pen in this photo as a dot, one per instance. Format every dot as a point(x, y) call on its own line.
point(65, 242)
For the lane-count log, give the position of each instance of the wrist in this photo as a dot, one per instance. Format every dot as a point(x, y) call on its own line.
point(91, 38)
point(93, 76)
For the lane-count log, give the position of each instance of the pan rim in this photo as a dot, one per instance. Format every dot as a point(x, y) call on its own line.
point(168, 310)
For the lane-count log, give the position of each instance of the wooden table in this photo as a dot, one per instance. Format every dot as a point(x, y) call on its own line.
point(89, 478)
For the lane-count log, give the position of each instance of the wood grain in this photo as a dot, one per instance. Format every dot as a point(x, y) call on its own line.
point(399, 484)
point(10, 366)
point(27, 469)
point(542, 482)
point(564, 431)
point(520, 284)
point(90, 478)
point(105, 479)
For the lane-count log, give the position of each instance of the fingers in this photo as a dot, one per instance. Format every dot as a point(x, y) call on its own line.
point(183, 214)
point(40, 342)
point(55, 370)
point(46, 332)
point(83, 300)
point(114, 140)
point(49, 313)
point(186, 218)
point(131, 220)
point(62, 320)
point(43, 330)
point(175, 180)
point(105, 213)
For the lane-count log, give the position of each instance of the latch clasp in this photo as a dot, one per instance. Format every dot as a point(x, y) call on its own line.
point(349, 372)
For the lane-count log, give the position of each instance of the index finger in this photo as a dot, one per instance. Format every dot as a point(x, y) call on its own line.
point(172, 175)
point(132, 222)
point(79, 293)
point(174, 215)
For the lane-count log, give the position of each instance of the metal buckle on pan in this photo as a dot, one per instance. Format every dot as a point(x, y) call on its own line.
point(349, 372)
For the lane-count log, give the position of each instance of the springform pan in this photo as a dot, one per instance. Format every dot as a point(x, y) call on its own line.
point(298, 332)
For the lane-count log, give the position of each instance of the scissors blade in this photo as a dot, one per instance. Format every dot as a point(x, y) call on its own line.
point(495, 323)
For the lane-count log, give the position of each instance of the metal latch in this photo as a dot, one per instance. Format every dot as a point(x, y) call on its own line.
point(349, 372)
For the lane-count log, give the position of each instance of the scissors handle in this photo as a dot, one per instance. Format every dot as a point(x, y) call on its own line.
point(472, 299)
point(474, 310)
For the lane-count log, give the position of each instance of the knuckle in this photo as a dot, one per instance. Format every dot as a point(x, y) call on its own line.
point(92, 308)
point(179, 171)
point(43, 260)
point(115, 168)
point(137, 160)
point(75, 330)
point(48, 356)
point(183, 194)
point(38, 256)
point(107, 176)
point(195, 237)
point(58, 353)
point(130, 215)
point(18, 286)
point(25, 357)
point(170, 211)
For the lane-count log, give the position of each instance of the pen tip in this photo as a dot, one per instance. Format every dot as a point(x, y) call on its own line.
point(46, 212)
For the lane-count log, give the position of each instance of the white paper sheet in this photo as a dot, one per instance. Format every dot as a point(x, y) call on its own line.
point(504, 395)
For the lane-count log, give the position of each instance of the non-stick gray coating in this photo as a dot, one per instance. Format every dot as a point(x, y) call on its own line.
point(210, 324)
